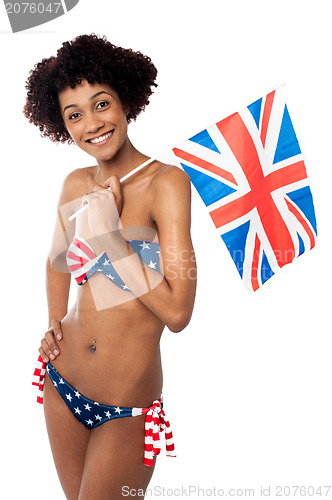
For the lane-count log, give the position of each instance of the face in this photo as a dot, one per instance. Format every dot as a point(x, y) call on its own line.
point(94, 117)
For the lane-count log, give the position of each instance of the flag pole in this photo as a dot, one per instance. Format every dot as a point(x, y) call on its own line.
point(74, 215)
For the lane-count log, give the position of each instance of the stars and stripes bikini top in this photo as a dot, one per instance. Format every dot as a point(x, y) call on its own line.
point(83, 262)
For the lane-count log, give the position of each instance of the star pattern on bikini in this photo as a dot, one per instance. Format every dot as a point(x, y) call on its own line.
point(89, 412)
point(144, 245)
point(148, 251)
point(104, 266)
point(93, 414)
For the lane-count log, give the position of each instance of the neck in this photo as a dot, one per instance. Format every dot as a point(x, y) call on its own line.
point(125, 160)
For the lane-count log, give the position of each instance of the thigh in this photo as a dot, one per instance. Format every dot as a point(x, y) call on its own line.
point(114, 459)
point(68, 439)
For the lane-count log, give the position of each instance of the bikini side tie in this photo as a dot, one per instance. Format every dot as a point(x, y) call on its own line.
point(155, 423)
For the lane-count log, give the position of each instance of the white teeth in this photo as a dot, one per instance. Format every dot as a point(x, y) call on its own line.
point(101, 139)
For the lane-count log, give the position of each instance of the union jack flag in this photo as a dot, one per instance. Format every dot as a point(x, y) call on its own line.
point(250, 173)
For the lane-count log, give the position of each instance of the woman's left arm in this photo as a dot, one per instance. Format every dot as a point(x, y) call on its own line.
point(171, 294)
point(173, 299)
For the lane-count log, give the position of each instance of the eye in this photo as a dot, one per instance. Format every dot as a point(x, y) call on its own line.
point(102, 104)
point(73, 116)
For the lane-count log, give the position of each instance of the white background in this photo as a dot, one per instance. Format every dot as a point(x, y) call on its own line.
point(248, 382)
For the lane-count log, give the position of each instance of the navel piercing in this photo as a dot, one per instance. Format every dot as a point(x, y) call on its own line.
point(93, 346)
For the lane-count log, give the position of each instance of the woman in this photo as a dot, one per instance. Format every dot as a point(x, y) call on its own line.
point(131, 252)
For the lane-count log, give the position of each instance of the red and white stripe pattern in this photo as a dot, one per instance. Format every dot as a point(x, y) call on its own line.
point(155, 423)
point(39, 378)
point(80, 259)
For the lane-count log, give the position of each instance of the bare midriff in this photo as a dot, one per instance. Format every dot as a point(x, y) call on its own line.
point(125, 367)
point(111, 356)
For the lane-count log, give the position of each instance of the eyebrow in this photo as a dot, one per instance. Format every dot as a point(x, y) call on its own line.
point(90, 99)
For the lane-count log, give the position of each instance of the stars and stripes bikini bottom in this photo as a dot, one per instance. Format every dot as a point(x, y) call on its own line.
point(92, 414)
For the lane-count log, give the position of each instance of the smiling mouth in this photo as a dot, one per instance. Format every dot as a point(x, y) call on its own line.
point(101, 138)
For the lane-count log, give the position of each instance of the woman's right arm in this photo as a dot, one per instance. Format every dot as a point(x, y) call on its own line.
point(57, 289)
point(57, 273)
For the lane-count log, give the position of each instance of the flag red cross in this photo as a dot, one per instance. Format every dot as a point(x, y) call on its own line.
point(261, 187)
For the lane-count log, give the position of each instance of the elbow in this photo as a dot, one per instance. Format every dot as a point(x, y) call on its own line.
point(179, 321)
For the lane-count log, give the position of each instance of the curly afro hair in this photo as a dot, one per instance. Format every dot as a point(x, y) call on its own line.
point(88, 57)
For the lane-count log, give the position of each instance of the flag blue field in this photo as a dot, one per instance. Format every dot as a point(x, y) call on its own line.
point(250, 173)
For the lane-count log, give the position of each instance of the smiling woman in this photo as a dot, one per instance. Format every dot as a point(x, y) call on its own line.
point(125, 251)
point(87, 120)
point(131, 74)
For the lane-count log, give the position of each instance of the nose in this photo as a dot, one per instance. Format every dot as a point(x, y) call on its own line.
point(93, 123)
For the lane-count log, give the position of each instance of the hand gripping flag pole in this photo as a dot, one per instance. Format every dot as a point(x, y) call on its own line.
point(249, 171)
point(74, 215)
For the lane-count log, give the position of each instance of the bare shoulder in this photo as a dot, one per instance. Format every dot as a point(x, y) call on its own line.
point(170, 178)
point(171, 196)
point(78, 177)
point(75, 183)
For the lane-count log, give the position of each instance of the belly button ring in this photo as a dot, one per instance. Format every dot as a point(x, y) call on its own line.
point(93, 346)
